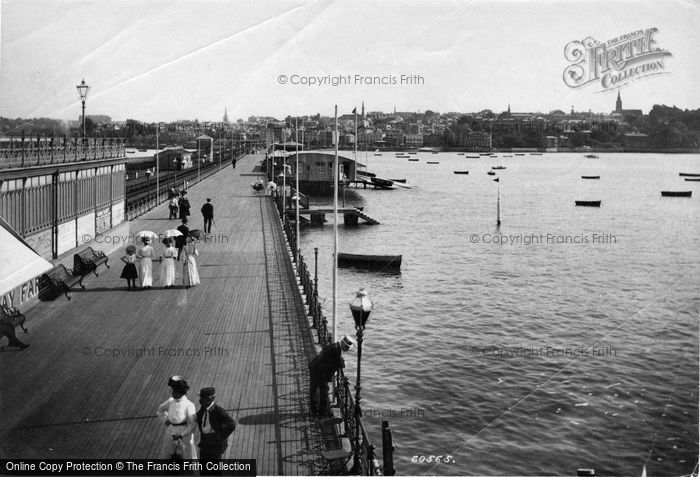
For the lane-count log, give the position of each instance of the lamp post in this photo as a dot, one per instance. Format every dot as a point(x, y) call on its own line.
point(83, 91)
point(360, 307)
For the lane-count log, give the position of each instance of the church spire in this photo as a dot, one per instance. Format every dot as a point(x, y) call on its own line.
point(618, 103)
point(225, 115)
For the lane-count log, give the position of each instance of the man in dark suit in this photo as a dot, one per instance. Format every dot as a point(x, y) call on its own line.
point(208, 214)
point(215, 425)
point(181, 240)
point(321, 370)
point(184, 205)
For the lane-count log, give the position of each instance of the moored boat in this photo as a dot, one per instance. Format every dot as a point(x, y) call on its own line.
point(590, 177)
point(403, 181)
point(383, 183)
point(588, 203)
point(461, 172)
point(496, 168)
point(688, 174)
point(591, 156)
point(692, 179)
point(370, 261)
point(676, 193)
point(432, 162)
point(491, 173)
point(413, 159)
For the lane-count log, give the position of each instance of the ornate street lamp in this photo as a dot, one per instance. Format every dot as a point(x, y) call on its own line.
point(83, 91)
point(360, 307)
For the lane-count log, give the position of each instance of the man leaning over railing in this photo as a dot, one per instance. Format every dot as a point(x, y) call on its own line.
point(321, 371)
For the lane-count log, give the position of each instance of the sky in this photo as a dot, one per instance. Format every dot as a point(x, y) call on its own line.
point(184, 59)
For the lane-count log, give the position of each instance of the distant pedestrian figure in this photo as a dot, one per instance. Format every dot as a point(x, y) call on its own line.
point(190, 275)
point(7, 328)
point(167, 270)
point(321, 371)
point(184, 205)
point(181, 240)
point(173, 206)
point(233, 162)
point(180, 418)
point(146, 254)
point(129, 271)
point(208, 214)
point(215, 426)
point(271, 189)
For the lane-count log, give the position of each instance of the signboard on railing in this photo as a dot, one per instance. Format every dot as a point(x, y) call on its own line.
point(103, 220)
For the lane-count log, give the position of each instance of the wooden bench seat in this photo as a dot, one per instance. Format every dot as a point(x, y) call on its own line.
point(88, 260)
point(62, 279)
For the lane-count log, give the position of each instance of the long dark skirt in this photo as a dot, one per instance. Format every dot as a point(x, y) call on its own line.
point(129, 271)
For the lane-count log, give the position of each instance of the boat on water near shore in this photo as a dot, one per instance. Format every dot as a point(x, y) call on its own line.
point(588, 203)
point(692, 179)
point(370, 261)
point(519, 153)
point(590, 177)
point(496, 168)
point(432, 162)
point(472, 157)
point(461, 172)
point(491, 173)
point(403, 181)
point(591, 156)
point(382, 183)
point(675, 193)
point(688, 174)
point(413, 159)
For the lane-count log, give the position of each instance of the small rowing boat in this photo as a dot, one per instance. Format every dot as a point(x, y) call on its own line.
point(692, 179)
point(588, 203)
point(491, 173)
point(590, 177)
point(675, 193)
point(688, 174)
point(433, 162)
point(461, 172)
point(496, 168)
point(369, 261)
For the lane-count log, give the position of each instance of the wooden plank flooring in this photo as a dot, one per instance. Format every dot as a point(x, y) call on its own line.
point(98, 365)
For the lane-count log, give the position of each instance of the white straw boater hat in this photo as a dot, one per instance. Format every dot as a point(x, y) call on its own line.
point(348, 341)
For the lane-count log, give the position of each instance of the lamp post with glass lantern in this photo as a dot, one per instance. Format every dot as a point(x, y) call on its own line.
point(360, 308)
point(83, 89)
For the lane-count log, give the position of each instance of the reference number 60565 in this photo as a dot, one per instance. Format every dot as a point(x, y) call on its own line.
point(427, 459)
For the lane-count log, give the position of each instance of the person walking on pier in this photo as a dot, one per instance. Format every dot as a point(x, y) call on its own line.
point(146, 263)
point(184, 204)
point(321, 371)
point(215, 426)
point(129, 271)
point(173, 207)
point(167, 270)
point(233, 162)
point(181, 240)
point(190, 275)
point(208, 214)
point(180, 418)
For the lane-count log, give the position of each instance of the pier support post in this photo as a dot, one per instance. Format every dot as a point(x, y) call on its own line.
point(318, 218)
point(350, 219)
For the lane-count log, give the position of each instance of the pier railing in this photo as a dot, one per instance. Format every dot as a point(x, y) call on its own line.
point(38, 151)
point(365, 460)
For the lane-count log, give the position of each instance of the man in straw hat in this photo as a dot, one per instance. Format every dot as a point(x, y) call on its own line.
point(215, 426)
point(321, 371)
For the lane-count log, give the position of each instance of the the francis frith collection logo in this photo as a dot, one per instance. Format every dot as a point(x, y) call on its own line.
point(616, 62)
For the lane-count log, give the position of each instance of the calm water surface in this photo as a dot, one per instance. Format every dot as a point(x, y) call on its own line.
point(567, 338)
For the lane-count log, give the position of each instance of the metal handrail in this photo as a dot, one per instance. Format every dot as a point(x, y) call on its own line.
point(38, 151)
point(369, 465)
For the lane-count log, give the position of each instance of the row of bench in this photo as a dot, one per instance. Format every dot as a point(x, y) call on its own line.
point(61, 279)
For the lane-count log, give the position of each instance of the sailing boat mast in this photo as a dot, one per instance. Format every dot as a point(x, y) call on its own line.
point(335, 225)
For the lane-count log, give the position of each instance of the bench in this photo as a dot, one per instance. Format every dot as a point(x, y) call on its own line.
point(63, 279)
point(11, 316)
point(88, 260)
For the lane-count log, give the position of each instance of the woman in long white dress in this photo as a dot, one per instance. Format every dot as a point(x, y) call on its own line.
point(167, 270)
point(146, 263)
point(180, 418)
point(190, 275)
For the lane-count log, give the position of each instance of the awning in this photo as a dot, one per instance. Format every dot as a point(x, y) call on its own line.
point(18, 262)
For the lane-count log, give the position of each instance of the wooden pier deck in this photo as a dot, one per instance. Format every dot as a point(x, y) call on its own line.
point(98, 365)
